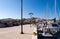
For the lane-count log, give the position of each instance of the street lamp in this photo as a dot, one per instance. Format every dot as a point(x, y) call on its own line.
point(22, 17)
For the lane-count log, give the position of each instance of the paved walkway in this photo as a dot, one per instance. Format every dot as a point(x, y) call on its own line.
point(14, 32)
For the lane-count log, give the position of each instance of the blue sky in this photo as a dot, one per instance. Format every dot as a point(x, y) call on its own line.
point(11, 8)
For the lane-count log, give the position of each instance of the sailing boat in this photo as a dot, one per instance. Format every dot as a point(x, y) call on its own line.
point(52, 31)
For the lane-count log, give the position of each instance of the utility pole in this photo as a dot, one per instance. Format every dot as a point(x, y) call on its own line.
point(22, 17)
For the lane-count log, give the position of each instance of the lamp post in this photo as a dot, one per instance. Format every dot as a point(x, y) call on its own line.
point(22, 17)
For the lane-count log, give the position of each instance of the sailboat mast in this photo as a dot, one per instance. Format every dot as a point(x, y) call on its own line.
point(55, 8)
point(46, 14)
point(55, 11)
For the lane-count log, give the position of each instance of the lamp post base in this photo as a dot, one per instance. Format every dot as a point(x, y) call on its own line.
point(22, 33)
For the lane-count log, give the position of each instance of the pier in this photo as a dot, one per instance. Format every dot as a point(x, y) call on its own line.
point(14, 32)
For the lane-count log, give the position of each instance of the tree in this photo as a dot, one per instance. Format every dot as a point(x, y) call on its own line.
point(30, 17)
point(31, 14)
